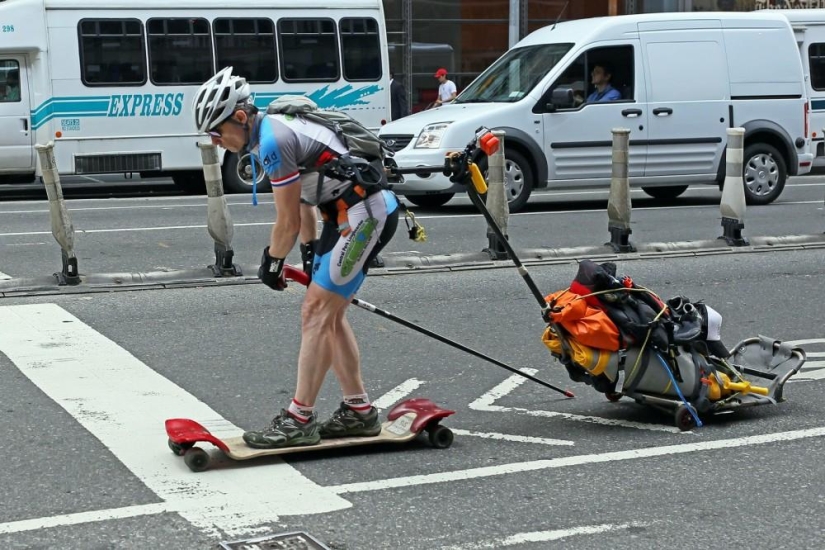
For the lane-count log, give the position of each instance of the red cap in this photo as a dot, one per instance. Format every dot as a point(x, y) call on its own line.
point(441, 72)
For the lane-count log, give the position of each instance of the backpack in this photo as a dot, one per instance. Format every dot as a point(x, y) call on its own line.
point(360, 141)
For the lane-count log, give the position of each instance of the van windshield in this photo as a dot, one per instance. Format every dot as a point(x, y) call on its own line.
point(514, 74)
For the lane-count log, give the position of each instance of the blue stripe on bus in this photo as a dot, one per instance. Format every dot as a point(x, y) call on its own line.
point(57, 107)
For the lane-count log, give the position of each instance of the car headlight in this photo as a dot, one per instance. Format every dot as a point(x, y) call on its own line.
point(430, 136)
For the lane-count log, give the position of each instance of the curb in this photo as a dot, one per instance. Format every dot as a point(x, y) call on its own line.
point(408, 264)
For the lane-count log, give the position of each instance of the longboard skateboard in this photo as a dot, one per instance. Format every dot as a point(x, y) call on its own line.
point(405, 422)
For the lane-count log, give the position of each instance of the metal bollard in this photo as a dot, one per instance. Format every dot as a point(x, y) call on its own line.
point(618, 202)
point(218, 220)
point(733, 190)
point(497, 200)
point(62, 228)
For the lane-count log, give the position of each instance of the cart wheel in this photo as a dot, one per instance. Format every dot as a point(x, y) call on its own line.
point(196, 458)
point(179, 448)
point(683, 419)
point(613, 396)
point(441, 437)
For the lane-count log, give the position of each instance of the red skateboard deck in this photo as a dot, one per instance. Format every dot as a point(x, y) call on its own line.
point(405, 422)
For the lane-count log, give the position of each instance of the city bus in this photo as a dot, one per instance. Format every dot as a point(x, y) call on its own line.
point(111, 82)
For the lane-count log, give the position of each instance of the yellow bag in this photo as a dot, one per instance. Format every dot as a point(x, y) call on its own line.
point(590, 359)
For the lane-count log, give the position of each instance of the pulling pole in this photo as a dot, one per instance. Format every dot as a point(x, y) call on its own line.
point(297, 275)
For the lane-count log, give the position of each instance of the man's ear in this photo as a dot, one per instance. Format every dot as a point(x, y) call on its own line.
point(241, 116)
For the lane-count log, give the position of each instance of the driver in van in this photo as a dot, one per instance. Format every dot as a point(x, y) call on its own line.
point(600, 78)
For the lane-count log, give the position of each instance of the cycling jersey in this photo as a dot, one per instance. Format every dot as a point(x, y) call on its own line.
point(289, 145)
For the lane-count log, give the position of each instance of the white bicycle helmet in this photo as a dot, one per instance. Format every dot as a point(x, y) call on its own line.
point(217, 99)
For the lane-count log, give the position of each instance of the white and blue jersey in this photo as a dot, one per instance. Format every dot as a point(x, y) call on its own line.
point(289, 145)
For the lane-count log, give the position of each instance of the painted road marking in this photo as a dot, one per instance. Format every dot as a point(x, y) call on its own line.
point(578, 460)
point(397, 394)
point(84, 517)
point(487, 403)
point(545, 536)
point(4, 277)
point(124, 403)
point(514, 438)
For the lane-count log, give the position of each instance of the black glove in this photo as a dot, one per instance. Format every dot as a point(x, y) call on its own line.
point(308, 256)
point(271, 271)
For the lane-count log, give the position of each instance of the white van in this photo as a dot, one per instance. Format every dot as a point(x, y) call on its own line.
point(809, 28)
point(112, 81)
point(682, 80)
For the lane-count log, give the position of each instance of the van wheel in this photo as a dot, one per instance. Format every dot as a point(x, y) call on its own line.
point(430, 201)
point(518, 179)
point(237, 174)
point(665, 192)
point(764, 173)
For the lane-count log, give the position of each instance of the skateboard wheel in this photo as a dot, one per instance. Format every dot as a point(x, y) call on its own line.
point(683, 419)
point(196, 458)
point(613, 396)
point(441, 437)
point(178, 448)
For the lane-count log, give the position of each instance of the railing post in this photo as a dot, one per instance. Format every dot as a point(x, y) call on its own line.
point(497, 199)
point(218, 220)
point(62, 228)
point(733, 191)
point(618, 201)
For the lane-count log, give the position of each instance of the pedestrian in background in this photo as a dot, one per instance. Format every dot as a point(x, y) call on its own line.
point(446, 88)
point(398, 99)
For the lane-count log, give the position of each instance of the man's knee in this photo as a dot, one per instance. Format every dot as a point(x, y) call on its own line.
point(321, 307)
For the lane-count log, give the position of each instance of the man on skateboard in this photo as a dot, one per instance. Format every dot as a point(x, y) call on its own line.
point(360, 217)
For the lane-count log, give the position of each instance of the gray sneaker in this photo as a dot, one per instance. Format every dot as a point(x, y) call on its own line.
point(284, 431)
point(346, 422)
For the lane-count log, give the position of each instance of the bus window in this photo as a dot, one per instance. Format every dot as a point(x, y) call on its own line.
point(361, 47)
point(248, 45)
point(112, 51)
point(309, 50)
point(180, 51)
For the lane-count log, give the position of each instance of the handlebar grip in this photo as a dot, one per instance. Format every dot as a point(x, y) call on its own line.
point(295, 274)
point(478, 180)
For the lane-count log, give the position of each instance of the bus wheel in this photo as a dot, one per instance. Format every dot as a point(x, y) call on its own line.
point(237, 174)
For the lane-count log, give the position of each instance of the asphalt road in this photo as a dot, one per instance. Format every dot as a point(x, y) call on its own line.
point(86, 379)
point(161, 233)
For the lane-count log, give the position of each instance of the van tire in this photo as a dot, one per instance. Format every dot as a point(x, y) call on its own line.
point(430, 201)
point(665, 192)
point(517, 168)
point(764, 174)
point(232, 180)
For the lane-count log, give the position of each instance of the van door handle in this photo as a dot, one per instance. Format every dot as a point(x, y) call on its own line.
point(662, 111)
point(25, 124)
point(630, 113)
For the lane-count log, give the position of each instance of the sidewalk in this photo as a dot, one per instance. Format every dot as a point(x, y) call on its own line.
point(406, 263)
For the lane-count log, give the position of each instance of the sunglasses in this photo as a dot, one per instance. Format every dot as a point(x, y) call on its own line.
point(214, 133)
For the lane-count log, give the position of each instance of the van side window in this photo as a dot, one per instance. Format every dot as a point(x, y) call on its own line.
point(600, 75)
point(247, 45)
point(180, 50)
point(816, 58)
point(112, 51)
point(309, 50)
point(361, 48)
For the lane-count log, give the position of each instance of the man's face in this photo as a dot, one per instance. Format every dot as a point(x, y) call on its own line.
point(13, 81)
point(442, 79)
point(598, 76)
point(232, 132)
